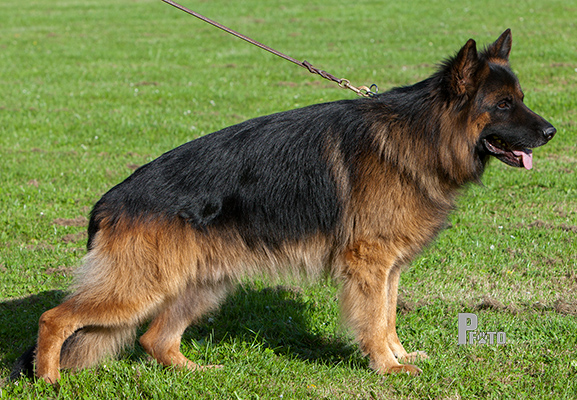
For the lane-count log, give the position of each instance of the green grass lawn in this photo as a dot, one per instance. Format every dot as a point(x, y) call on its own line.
point(89, 90)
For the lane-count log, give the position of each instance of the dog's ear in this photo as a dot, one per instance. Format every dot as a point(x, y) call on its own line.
point(502, 47)
point(463, 69)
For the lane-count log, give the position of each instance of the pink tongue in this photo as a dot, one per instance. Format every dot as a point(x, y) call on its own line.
point(526, 157)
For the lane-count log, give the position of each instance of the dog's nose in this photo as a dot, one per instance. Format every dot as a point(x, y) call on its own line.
point(549, 132)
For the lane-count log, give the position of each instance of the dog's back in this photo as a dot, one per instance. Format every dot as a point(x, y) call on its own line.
point(271, 178)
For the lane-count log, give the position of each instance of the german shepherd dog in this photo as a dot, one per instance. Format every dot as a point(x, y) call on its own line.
point(354, 189)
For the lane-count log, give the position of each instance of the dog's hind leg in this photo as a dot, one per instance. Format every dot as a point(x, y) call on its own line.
point(366, 300)
point(162, 339)
point(55, 326)
point(109, 325)
point(116, 290)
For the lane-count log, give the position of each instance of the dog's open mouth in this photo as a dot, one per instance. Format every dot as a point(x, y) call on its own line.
point(503, 151)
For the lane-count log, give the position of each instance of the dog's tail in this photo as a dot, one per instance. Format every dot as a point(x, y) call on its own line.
point(24, 365)
point(90, 345)
point(84, 349)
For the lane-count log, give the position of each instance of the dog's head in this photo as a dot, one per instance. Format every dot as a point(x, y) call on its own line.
point(508, 129)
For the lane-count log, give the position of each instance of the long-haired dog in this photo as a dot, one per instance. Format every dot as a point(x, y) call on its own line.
point(354, 189)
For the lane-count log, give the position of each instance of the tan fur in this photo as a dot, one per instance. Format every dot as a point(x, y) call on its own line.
point(377, 249)
point(164, 270)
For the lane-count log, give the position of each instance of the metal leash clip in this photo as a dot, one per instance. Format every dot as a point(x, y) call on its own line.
point(363, 91)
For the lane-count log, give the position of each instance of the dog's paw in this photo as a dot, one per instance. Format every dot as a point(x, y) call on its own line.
point(194, 367)
point(207, 367)
point(403, 369)
point(51, 378)
point(413, 357)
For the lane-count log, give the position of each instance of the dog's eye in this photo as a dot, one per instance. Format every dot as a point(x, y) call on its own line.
point(503, 105)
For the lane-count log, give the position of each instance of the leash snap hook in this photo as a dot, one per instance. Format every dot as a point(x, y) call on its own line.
point(363, 91)
point(370, 91)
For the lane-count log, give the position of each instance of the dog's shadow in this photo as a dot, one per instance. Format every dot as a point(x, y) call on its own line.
point(19, 323)
point(278, 318)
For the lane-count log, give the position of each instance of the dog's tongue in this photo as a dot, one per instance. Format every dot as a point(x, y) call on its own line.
point(526, 157)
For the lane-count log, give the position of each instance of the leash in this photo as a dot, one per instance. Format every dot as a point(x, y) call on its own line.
point(343, 83)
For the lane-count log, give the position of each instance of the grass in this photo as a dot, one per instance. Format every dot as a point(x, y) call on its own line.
point(92, 89)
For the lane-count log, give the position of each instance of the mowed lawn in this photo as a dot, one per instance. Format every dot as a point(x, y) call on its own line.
point(90, 90)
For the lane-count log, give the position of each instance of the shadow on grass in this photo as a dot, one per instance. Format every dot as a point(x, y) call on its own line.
point(278, 318)
point(19, 323)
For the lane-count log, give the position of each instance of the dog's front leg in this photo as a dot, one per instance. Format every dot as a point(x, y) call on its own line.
point(395, 344)
point(369, 304)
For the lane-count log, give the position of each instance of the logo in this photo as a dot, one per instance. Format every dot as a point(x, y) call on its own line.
point(468, 333)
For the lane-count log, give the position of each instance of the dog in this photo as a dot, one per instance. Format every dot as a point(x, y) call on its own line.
point(353, 188)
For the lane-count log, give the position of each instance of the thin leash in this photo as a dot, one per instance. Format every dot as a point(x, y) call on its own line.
point(343, 83)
